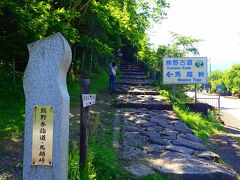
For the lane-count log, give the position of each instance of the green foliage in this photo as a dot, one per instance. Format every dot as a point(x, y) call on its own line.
point(202, 126)
point(11, 108)
point(229, 79)
point(232, 79)
point(102, 160)
point(216, 78)
point(73, 165)
point(165, 93)
point(99, 82)
point(96, 30)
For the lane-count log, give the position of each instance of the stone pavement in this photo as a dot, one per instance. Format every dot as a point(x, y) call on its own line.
point(151, 138)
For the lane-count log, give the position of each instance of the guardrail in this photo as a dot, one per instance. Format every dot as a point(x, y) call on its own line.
point(214, 102)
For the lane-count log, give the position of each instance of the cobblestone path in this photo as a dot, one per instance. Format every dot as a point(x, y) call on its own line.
point(151, 138)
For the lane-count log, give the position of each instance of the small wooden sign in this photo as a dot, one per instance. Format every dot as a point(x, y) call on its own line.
point(88, 99)
point(42, 137)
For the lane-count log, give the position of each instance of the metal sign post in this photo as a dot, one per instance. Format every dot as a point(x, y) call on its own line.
point(195, 89)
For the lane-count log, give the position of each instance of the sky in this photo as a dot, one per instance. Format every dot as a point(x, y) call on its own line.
point(217, 22)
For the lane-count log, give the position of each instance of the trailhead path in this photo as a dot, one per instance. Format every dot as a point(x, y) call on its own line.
point(152, 139)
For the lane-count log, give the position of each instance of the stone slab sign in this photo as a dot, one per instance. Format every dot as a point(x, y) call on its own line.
point(45, 85)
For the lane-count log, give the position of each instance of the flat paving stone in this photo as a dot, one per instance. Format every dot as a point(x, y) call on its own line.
point(139, 170)
point(209, 155)
point(135, 82)
point(182, 128)
point(182, 166)
point(158, 141)
point(143, 101)
point(133, 77)
point(153, 149)
point(180, 149)
point(131, 70)
point(191, 137)
point(130, 152)
point(132, 73)
point(189, 144)
point(136, 90)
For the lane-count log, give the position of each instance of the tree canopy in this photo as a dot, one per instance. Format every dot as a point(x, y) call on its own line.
point(96, 29)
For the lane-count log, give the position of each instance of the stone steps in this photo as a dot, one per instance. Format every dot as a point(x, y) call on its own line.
point(135, 90)
point(142, 77)
point(143, 101)
point(132, 73)
point(135, 82)
point(131, 70)
point(155, 139)
point(129, 67)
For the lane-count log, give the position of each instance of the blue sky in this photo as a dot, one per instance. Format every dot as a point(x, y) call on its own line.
point(215, 21)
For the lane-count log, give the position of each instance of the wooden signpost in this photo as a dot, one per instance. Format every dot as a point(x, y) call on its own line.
point(87, 100)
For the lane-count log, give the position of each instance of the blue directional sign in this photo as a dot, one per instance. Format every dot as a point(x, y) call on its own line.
point(191, 70)
point(169, 74)
point(219, 88)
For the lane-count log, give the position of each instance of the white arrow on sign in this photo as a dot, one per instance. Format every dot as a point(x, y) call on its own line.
point(88, 99)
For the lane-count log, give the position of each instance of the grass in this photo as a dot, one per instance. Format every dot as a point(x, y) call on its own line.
point(12, 108)
point(102, 162)
point(102, 157)
point(12, 101)
point(99, 82)
point(202, 126)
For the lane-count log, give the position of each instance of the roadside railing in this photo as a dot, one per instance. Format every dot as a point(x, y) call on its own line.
point(214, 101)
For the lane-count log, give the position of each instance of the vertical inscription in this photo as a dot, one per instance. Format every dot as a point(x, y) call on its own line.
point(42, 135)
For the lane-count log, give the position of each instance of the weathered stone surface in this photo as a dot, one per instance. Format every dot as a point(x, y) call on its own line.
point(135, 90)
point(139, 170)
point(182, 128)
point(45, 85)
point(153, 148)
point(189, 144)
point(182, 166)
point(141, 121)
point(180, 149)
point(191, 137)
point(132, 73)
point(208, 155)
point(132, 129)
point(140, 101)
point(134, 82)
point(169, 132)
point(131, 70)
point(170, 137)
point(155, 128)
point(134, 77)
point(163, 123)
point(132, 152)
point(157, 141)
point(159, 137)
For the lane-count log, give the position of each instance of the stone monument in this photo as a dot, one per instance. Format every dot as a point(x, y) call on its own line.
point(47, 109)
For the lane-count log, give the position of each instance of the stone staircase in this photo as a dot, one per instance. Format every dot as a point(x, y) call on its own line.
point(154, 138)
